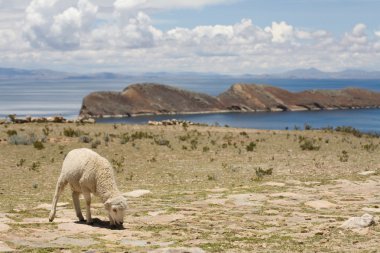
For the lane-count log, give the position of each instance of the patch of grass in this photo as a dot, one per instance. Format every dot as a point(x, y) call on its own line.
point(260, 172)
point(38, 145)
point(349, 130)
point(251, 146)
point(309, 144)
point(70, 132)
point(85, 139)
point(370, 147)
point(11, 133)
point(343, 157)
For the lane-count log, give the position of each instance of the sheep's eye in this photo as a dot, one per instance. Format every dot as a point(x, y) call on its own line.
point(115, 210)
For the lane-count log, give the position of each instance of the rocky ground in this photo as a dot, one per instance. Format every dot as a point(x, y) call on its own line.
point(197, 189)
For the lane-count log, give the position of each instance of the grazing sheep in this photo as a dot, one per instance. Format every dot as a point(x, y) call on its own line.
point(87, 172)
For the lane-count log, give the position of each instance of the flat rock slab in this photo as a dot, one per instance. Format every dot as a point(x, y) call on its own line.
point(76, 227)
point(367, 173)
point(320, 204)
point(4, 228)
point(142, 243)
point(66, 241)
point(5, 248)
point(137, 193)
point(249, 199)
point(178, 250)
point(159, 219)
point(47, 206)
point(289, 195)
point(275, 184)
point(359, 222)
point(371, 210)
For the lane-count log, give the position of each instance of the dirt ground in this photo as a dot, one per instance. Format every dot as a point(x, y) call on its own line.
point(208, 189)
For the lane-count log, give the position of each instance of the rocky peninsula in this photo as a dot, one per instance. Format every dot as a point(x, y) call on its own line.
point(150, 98)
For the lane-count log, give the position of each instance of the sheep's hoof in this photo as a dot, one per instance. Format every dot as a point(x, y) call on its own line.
point(90, 222)
point(50, 220)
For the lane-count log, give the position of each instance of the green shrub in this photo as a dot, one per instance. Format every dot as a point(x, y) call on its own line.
point(95, 144)
point(162, 142)
point(38, 145)
point(251, 146)
point(11, 133)
point(69, 132)
point(343, 157)
point(309, 144)
point(85, 139)
point(25, 139)
point(370, 147)
point(349, 130)
point(260, 172)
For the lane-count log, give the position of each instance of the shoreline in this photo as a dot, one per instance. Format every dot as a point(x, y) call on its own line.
point(272, 110)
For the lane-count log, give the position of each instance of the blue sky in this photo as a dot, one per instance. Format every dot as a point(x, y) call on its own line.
point(224, 36)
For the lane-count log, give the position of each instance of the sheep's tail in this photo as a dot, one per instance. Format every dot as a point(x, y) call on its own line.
point(58, 190)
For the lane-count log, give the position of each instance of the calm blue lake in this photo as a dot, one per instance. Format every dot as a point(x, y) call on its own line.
point(64, 97)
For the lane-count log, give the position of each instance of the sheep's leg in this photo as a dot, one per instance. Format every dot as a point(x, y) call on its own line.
point(87, 197)
point(58, 190)
point(112, 221)
point(77, 205)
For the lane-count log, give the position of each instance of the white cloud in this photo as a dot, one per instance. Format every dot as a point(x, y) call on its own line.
point(281, 32)
point(121, 35)
point(49, 24)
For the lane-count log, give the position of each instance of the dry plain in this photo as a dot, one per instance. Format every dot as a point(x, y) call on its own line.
point(211, 189)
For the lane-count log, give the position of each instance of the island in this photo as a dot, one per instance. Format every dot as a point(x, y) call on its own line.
point(154, 99)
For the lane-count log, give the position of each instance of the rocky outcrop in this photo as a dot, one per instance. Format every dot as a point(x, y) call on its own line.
point(140, 99)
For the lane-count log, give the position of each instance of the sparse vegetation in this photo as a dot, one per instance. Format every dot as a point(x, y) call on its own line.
point(251, 146)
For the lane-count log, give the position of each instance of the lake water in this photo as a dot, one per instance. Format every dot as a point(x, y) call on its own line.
point(64, 97)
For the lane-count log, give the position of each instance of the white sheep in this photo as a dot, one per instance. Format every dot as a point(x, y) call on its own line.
point(87, 172)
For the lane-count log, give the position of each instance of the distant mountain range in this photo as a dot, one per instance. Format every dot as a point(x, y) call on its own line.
point(311, 73)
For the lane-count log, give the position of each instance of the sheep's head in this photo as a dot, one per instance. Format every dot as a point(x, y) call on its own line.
point(116, 207)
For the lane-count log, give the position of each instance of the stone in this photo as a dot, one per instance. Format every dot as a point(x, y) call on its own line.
point(178, 250)
point(47, 206)
point(64, 241)
point(249, 199)
point(5, 248)
point(320, 204)
point(4, 228)
point(359, 222)
point(371, 210)
point(367, 173)
point(289, 195)
point(137, 193)
point(76, 227)
point(275, 184)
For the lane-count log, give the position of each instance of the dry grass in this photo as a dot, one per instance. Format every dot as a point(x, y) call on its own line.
point(184, 168)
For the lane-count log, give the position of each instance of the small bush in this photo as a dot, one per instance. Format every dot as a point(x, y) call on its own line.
point(206, 149)
point(85, 139)
point(343, 157)
point(309, 144)
point(370, 147)
point(11, 133)
point(349, 130)
point(95, 144)
point(25, 139)
point(260, 172)
point(162, 142)
point(251, 146)
point(21, 162)
point(38, 145)
point(69, 132)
